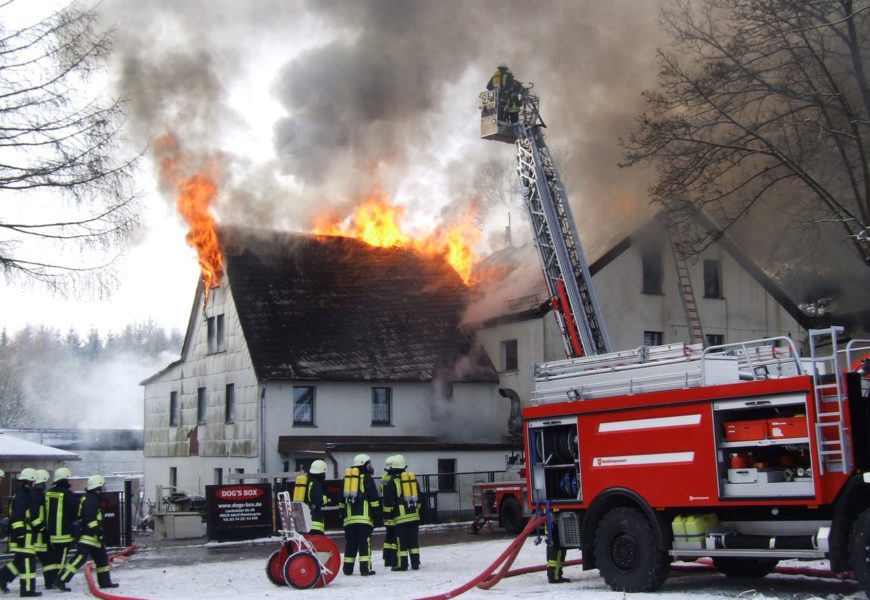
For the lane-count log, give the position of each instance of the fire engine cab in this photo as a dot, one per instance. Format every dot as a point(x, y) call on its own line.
point(747, 453)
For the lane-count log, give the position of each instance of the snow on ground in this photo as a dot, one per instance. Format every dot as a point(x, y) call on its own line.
point(444, 568)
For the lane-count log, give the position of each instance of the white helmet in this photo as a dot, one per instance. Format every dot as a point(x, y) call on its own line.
point(2, 473)
point(62, 473)
point(94, 482)
point(361, 459)
point(42, 476)
point(318, 467)
point(399, 462)
point(388, 462)
point(27, 474)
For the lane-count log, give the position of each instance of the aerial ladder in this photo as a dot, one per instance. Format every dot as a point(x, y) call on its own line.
point(566, 271)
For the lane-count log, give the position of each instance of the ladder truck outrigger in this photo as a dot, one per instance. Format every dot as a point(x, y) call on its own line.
point(745, 453)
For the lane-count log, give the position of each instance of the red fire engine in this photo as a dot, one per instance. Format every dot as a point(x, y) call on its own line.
point(748, 453)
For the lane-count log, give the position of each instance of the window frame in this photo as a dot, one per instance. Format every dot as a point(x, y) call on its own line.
point(657, 338)
point(173, 408)
point(509, 353)
point(652, 271)
point(388, 396)
point(712, 278)
point(447, 478)
point(710, 342)
point(296, 398)
point(201, 405)
point(230, 403)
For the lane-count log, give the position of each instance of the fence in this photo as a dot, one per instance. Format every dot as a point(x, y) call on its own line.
point(447, 496)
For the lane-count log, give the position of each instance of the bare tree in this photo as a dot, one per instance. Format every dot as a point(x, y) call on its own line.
point(762, 101)
point(66, 196)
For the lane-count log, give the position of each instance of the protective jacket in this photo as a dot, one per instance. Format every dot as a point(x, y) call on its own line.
point(37, 522)
point(61, 510)
point(316, 500)
point(365, 509)
point(91, 517)
point(20, 516)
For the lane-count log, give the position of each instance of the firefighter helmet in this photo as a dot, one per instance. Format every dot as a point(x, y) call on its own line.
point(27, 474)
point(388, 462)
point(42, 476)
point(318, 467)
point(399, 462)
point(94, 482)
point(61, 473)
point(361, 459)
point(2, 473)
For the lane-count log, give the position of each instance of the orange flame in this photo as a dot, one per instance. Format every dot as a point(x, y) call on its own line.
point(376, 222)
point(194, 196)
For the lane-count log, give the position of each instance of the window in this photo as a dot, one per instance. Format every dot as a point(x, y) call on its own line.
point(200, 405)
point(240, 472)
point(218, 476)
point(714, 339)
point(230, 403)
point(653, 338)
point(303, 405)
point(173, 409)
point(446, 474)
point(216, 334)
point(712, 279)
point(652, 271)
point(509, 361)
point(382, 400)
point(173, 478)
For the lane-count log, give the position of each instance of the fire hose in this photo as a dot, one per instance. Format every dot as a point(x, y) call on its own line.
point(489, 577)
point(92, 584)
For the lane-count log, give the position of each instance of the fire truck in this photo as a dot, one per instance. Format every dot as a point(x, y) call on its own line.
point(745, 453)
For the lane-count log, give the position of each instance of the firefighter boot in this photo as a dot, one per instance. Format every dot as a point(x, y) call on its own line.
point(105, 581)
point(4, 579)
point(555, 576)
point(403, 564)
point(58, 584)
point(25, 593)
point(415, 562)
point(365, 568)
point(348, 568)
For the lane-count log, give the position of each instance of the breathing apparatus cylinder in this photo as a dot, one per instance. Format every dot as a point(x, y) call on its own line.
point(351, 483)
point(299, 488)
point(409, 487)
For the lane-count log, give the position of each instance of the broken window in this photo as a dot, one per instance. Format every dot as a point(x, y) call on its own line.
point(509, 359)
point(712, 279)
point(382, 400)
point(714, 339)
point(216, 334)
point(652, 271)
point(303, 405)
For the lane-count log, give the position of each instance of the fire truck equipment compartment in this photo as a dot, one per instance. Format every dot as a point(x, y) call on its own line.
point(790, 427)
point(746, 431)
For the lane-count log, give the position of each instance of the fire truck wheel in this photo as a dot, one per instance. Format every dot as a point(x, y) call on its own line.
point(512, 516)
point(744, 568)
point(859, 550)
point(626, 554)
point(302, 570)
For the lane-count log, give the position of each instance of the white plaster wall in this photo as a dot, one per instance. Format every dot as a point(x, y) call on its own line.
point(193, 473)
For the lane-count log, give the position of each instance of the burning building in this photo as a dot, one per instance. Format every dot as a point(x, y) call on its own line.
point(322, 346)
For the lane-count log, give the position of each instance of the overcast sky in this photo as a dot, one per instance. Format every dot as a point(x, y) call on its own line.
point(309, 106)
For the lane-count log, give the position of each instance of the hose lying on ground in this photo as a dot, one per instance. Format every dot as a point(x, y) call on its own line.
point(92, 584)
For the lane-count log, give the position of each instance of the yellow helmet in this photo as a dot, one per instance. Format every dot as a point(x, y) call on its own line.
point(62, 473)
point(42, 476)
point(27, 474)
point(361, 459)
point(318, 467)
point(94, 482)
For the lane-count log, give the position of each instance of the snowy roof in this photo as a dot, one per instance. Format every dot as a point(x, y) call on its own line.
point(335, 308)
point(13, 448)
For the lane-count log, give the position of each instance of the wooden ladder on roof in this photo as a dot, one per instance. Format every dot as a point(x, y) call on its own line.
point(687, 295)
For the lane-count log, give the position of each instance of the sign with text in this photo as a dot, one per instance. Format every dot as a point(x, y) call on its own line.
point(239, 512)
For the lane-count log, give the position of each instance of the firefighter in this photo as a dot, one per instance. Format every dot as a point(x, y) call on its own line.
point(390, 527)
point(315, 496)
point(91, 542)
point(401, 505)
point(21, 538)
point(503, 82)
point(555, 553)
point(61, 508)
point(361, 510)
point(37, 510)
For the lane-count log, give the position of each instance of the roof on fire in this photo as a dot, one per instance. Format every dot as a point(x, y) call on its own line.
point(335, 308)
